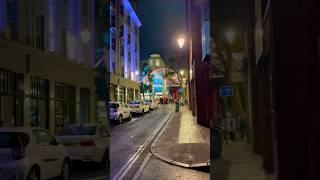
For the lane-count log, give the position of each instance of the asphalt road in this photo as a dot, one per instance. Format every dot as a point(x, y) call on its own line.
point(127, 138)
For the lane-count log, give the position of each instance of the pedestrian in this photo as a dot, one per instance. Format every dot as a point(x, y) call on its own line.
point(233, 127)
point(226, 127)
point(243, 126)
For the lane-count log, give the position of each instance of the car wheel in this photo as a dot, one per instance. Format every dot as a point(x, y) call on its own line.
point(34, 174)
point(130, 116)
point(142, 112)
point(65, 171)
point(120, 119)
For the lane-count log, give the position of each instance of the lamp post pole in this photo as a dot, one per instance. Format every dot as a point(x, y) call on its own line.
point(229, 38)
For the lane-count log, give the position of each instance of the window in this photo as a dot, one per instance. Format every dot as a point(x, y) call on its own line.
point(113, 2)
point(64, 105)
point(10, 12)
point(113, 94)
point(121, 50)
point(78, 130)
point(43, 138)
point(13, 139)
point(114, 43)
point(84, 105)
point(263, 7)
point(113, 20)
point(84, 8)
point(114, 67)
point(121, 31)
point(129, 20)
point(39, 32)
point(122, 71)
point(136, 45)
point(129, 38)
point(11, 18)
point(39, 102)
point(63, 42)
point(121, 10)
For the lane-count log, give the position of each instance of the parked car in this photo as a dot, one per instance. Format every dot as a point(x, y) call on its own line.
point(139, 107)
point(86, 142)
point(152, 104)
point(119, 111)
point(31, 153)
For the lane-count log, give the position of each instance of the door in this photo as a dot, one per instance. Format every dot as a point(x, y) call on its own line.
point(50, 153)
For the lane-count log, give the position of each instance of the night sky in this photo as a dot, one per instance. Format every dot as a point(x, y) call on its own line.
point(162, 22)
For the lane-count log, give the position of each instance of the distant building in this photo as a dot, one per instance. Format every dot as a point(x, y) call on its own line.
point(155, 61)
point(47, 53)
point(124, 52)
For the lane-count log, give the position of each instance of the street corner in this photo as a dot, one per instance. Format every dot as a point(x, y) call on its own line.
point(158, 169)
point(181, 143)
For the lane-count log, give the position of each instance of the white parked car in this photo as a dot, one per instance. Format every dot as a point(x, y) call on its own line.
point(152, 104)
point(31, 154)
point(119, 111)
point(86, 142)
point(139, 107)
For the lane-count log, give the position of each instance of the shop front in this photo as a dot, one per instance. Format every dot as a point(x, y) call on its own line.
point(11, 99)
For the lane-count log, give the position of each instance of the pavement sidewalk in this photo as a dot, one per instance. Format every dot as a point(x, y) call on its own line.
point(238, 162)
point(183, 142)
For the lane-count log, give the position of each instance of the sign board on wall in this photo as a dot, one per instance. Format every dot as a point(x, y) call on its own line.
point(157, 83)
point(225, 91)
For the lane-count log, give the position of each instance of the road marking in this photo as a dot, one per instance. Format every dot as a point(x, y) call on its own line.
point(124, 170)
point(123, 124)
point(147, 158)
point(187, 133)
point(140, 170)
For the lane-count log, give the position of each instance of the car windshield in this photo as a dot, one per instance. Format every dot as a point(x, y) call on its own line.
point(13, 139)
point(134, 102)
point(78, 130)
point(113, 105)
point(149, 101)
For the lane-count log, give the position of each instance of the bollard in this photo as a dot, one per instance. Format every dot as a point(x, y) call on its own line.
point(177, 106)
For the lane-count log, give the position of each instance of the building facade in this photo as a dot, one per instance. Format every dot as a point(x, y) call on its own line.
point(283, 78)
point(154, 62)
point(47, 53)
point(124, 51)
point(198, 25)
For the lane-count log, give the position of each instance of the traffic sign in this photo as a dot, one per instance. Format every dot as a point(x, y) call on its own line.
point(225, 91)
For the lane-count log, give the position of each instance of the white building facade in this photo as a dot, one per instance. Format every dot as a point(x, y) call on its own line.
point(46, 58)
point(124, 61)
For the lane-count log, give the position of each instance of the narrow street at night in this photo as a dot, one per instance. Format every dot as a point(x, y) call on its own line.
point(128, 137)
point(131, 147)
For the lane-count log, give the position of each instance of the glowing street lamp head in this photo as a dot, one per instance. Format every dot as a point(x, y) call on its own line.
point(230, 34)
point(136, 72)
point(181, 42)
point(182, 72)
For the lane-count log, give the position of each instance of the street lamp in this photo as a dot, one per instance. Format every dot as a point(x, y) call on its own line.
point(137, 73)
point(230, 36)
point(181, 72)
point(181, 42)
